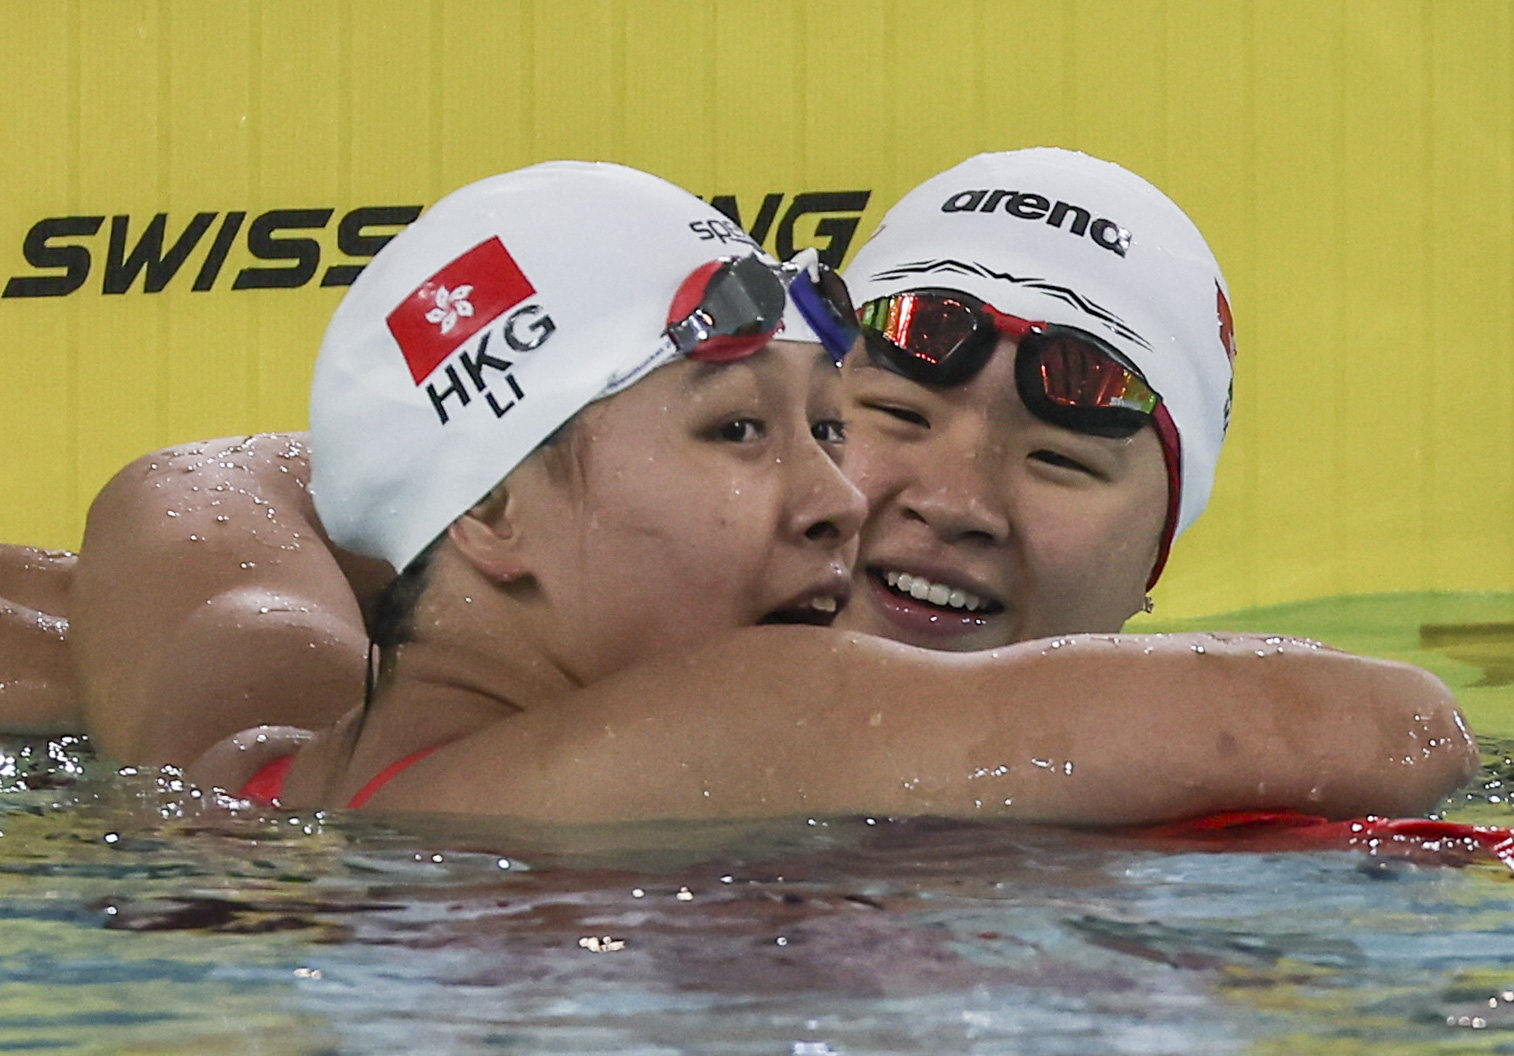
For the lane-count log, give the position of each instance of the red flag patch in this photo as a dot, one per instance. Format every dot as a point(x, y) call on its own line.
point(456, 303)
point(1227, 322)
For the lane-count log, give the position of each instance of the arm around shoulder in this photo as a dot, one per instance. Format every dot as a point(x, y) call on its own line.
point(1088, 730)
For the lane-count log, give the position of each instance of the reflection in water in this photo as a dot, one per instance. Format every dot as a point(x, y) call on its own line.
point(1488, 646)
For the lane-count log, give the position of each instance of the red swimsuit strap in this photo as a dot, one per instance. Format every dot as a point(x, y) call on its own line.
point(1286, 830)
point(384, 776)
point(267, 784)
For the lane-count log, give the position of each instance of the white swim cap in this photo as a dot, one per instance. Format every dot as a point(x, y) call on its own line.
point(1056, 236)
point(482, 328)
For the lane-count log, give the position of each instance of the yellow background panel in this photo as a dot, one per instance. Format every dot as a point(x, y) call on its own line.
point(1351, 163)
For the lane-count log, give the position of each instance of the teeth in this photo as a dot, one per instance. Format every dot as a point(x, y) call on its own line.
point(823, 604)
point(922, 589)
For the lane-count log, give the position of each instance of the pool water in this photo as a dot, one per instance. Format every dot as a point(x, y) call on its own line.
point(137, 918)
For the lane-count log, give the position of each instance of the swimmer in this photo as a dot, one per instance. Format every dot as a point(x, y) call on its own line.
point(1040, 403)
point(556, 408)
point(609, 650)
point(1337, 705)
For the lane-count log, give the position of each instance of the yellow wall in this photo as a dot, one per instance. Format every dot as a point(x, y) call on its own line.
point(1350, 163)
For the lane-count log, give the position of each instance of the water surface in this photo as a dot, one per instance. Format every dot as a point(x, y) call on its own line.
point(135, 917)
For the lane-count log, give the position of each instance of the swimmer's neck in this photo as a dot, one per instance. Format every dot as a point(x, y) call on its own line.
point(445, 684)
point(475, 646)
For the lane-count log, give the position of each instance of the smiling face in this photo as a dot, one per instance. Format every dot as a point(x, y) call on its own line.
point(702, 499)
point(987, 525)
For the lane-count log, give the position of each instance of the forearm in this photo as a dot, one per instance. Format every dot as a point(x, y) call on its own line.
point(36, 685)
point(37, 579)
point(1092, 731)
point(1162, 730)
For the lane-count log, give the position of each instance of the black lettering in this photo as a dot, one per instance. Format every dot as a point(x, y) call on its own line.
point(720, 231)
point(455, 389)
point(352, 237)
point(1027, 206)
point(836, 230)
point(475, 367)
point(536, 332)
point(994, 198)
point(765, 214)
point(499, 412)
point(1061, 210)
point(121, 269)
point(763, 222)
point(211, 269)
point(39, 253)
point(304, 252)
point(494, 405)
point(1110, 235)
point(963, 202)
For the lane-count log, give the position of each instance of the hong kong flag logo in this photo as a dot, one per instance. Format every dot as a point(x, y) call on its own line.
point(456, 303)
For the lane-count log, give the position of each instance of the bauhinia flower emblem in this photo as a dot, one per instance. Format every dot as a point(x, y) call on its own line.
point(451, 305)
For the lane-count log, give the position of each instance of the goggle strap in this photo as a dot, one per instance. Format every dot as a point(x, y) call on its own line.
point(666, 351)
point(1172, 455)
point(833, 333)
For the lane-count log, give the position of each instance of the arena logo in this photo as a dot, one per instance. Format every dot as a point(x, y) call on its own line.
point(65, 251)
point(1079, 221)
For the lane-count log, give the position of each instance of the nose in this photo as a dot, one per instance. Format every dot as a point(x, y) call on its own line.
point(825, 507)
point(958, 497)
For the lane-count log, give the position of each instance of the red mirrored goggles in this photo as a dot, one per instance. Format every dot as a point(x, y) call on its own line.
point(1065, 376)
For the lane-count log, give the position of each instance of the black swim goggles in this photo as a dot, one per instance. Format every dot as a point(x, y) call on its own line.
point(1064, 375)
point(729, 308)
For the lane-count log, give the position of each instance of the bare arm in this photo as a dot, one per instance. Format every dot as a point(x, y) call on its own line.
point(36, 684)
point(1103, 730)
point(206, 600)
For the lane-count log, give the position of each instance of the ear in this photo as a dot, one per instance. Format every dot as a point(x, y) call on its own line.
point(488, 539)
